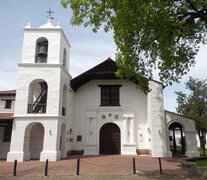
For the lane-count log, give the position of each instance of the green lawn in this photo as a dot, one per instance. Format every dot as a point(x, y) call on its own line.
point(178, 149)
point(202, 163)
point(201, 151)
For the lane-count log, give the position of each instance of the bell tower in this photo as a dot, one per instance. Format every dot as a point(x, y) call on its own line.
point(42, 95)
point(46, 44)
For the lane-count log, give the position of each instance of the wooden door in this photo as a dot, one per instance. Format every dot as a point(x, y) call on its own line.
point(110, 139)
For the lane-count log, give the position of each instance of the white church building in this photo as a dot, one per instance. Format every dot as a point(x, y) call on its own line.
point(52, 115)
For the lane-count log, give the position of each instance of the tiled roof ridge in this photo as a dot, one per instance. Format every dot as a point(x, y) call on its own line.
point(9, 92)
point(6, 116)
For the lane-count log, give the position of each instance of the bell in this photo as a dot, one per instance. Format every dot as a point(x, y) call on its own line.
point(42, 51)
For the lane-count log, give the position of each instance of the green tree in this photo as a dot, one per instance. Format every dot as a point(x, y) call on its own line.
point(194, 105)
point(149, 34)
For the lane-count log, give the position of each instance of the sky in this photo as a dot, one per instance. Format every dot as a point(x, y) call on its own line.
point(87, 48)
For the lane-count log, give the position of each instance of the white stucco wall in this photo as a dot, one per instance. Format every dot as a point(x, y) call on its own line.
point(156, 120)
point(132, 102)
point(64, 45)
point(67, 100)
point(31, 72)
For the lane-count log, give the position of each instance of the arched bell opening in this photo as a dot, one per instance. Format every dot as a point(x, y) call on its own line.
point(177, 139)
point(37, 100)
point(33, 141)
point(41, 50)
point(110, 139)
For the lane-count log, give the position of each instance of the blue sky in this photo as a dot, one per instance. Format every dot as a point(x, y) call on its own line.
point(88, 48)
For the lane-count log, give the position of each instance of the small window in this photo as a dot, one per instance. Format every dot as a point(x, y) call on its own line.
point(110, 95)
point(7, 134)
point(8, 104)
point(79, 138)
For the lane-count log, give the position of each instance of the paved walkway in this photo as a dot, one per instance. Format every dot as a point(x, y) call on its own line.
point(93, 165)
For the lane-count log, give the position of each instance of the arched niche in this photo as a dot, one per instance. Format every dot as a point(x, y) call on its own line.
point(37, 98)
point(41, 51)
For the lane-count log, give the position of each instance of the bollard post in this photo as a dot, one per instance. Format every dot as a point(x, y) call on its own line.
point(134, 166)
point(46, 167)
point(78, 166)
point(15, 168)
point(160, 165)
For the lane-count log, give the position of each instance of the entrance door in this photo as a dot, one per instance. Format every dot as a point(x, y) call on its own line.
point(110, 139)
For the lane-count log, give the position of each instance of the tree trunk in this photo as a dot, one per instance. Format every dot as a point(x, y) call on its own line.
point(202, 138)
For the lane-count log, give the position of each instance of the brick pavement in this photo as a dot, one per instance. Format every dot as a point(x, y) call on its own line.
point(93, 165)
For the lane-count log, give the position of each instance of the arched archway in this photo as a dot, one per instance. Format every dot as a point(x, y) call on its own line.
point(62, 141)
point(110, 139)
point(177, 138)
point(33, 141)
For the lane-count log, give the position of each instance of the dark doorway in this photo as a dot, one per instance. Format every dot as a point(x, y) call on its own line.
point(110, 139)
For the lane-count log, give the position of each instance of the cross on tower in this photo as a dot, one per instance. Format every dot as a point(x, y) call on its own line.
point(50, 13)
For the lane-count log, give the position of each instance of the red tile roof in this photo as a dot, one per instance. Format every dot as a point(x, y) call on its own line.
point(8, 92)
point(6, 116)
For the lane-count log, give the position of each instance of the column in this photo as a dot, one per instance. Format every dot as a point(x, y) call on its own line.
point(93, 129)
point(90, 146)
point(132, 138)
point(87, 131)
point(90, 133)
point(191, 145)
point(17, 143)
point(126, 134)
point(52, 133)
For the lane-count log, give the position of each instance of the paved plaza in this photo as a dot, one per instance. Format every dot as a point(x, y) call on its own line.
point(94, 165)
